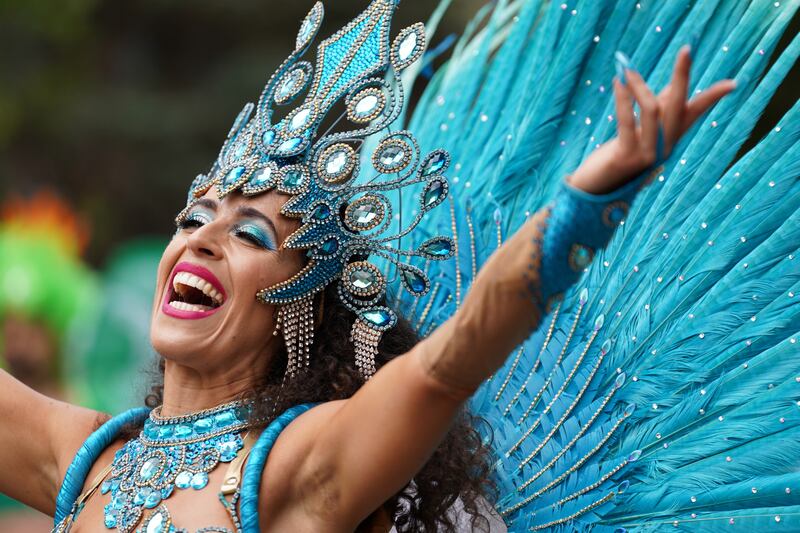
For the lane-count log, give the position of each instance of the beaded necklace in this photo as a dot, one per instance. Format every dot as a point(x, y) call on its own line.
point(172, 453)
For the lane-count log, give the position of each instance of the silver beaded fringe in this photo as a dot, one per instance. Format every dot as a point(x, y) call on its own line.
point(296, 322)
point(365, 340)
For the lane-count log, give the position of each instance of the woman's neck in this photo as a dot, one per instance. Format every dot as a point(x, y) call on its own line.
point(188, 391)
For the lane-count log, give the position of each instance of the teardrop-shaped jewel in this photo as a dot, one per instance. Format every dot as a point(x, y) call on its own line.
point(156, 523)
point(240, 149)
point(629, 409)
point(290, 85)
point(392, 156)
point(290, 145)
point(598, 323)
point(199, 481)
point(623, 486)
point(363, 279)
point(414, 281)
point(584, 296)
point(367, 105)
point(336, 162)
point(378, 317)
point(300, 119)
point(634, 456)
point(434, 164)
point(183, 480)
point(152, 499)
point(606, 347)
point(620, 380)
point(433, 193)
point(408, 46)
point(437, 248)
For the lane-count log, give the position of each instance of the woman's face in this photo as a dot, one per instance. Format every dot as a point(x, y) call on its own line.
point(205, 310)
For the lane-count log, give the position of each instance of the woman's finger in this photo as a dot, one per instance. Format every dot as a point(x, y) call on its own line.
point(705, 100)
point(675, 97)
point(648, 104)
point(626, 122)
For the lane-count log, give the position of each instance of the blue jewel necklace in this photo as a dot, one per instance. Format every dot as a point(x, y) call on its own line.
point(170, 453)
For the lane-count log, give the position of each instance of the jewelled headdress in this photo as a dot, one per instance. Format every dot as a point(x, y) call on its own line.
point(338, 192)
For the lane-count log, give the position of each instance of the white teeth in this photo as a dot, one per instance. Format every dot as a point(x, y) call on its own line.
point(190, 280)
point(183, 306)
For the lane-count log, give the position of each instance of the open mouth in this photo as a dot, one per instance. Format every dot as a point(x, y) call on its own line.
point(194, 292)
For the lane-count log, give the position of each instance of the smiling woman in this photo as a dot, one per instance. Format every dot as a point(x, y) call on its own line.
point(295, 395)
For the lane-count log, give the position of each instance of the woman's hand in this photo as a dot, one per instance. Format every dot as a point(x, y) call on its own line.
point(636, 147)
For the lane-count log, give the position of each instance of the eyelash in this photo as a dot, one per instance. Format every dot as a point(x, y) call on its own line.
point(197, 220)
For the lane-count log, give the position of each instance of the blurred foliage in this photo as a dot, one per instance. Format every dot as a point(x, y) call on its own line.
point(118, 105)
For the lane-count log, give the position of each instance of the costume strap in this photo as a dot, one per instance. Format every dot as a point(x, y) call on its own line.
point(251, 481)
point(87, 455)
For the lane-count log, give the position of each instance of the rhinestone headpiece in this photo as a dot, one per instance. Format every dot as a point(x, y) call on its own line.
point(338, 192)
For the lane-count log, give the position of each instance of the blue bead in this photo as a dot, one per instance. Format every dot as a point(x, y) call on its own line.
point(110, 521)
point(434, 193)
point(152, 499)
point(268, 137)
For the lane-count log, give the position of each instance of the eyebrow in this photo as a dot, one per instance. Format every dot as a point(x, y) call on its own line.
point(208, 203)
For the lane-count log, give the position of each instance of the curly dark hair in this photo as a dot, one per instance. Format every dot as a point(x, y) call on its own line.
point(458, 469)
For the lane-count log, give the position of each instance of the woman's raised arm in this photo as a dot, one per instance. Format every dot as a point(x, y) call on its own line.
point(375, 442)
point(38, 438)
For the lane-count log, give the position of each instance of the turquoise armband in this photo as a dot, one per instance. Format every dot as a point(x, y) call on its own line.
point(579, 224)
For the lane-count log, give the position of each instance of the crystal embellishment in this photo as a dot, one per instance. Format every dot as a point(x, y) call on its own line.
point(147, 470)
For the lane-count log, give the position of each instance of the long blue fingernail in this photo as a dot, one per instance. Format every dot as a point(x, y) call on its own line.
point(622, 63)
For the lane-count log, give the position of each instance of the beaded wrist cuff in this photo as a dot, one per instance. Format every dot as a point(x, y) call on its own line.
point(580, 223)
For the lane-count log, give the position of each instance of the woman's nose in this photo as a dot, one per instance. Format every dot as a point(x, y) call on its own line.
point(204, 241)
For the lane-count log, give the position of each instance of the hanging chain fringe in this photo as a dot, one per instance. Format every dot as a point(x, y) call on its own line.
point(296, 321)
point(365, 339)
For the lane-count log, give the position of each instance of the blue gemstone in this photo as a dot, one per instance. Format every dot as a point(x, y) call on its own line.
point(242, 413)
point(261, 177)
point(150, 468)
point(152, 499)
point(165, 432)
point(183, 480)
point(239, 151)
point(105, 487)
point(140, 496)
point(268, 137)
point(225, 418)
point(151, 431)
point(233, 176)
point(203, 425)
point(329, 247)
point(321, 212)
point(414, 281)
point(434, 164)
point(292, 179)
point(434, 193)
point(199, 480)
point(110, 521)
point(378, 317)
point(290, 145)
point(118, 501)
point(183, 430)
point(437, 248)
